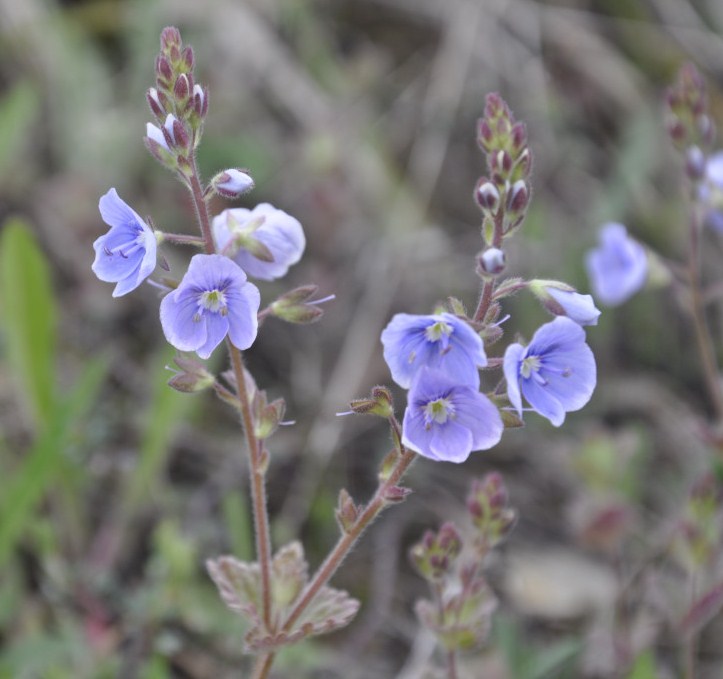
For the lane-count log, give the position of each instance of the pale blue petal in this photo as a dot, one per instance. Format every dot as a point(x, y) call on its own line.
point(243, 307)
point(543, 401)
point(480, 416)
point(577, 307)
point(116, 212)
point(415, 434)
point(113, 267)
point(513, 358)
point(216, 331)
point(178, 309)
point(451, 442)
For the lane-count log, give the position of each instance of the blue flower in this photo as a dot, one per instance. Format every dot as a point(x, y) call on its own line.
point(264, 241)
point(213, 299)
point(440, 341)
point(711, 191)
point(446, 420)
point(618, 268)
point(126, 255)
point(555, 372)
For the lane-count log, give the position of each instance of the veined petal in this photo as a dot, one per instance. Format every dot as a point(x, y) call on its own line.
point(116, 212)
point(451, 442)
point(181, 326)
point(243, 308)
point(216, 330)
point(544, 403)
point(480, 416)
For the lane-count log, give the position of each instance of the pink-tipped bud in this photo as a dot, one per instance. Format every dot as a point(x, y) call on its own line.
point(174, 54)
point(170, 36)
point(181, 88)
point(200, 100)
point(492, 261)
point(188, 59)
point(180, 134)
point(519, 136)
point(164, 72)
point(232, 183)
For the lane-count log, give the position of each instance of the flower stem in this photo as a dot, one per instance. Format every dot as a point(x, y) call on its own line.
point(262, 666)
point(488, 286)
point(327, 569)
point(181, 239)
point(700, 324)
point(258, 475)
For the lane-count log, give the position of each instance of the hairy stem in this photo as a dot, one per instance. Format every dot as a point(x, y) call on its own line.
point(258, 473)
point(262, 666)
point(488, 286)
point(349, 539)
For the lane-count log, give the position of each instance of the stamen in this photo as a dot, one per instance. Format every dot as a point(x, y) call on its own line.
point(438, 331)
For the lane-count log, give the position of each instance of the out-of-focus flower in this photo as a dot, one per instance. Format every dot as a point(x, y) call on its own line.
point(264, 241)
point(711, 191)
point(446, 421)
point(440, 341)
point(126, 255)
point(214, 299)
point(618, 268)
point(555, 372)
point(562, 299)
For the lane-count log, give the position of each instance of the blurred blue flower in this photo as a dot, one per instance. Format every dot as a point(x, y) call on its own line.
point(264, 241)
point(214, 299)
point(711, 191)
point(126, 255)
point(555, 372)
point(446, 420)
point(618, 268)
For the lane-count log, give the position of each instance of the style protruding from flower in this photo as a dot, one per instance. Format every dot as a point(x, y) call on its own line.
point(126, 255)
point(440, 341)
point(618, 268)
point(555, 372)
point(446, 420)
point(213, 300)
point(264, 241)
point(561, 299)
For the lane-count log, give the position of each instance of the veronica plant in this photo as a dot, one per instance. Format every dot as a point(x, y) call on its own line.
point(450, 411)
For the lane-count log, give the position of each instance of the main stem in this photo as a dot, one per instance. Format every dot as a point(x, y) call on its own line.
point(702, 332)
point(348, 539)
point(258, 478)
point(488, 286)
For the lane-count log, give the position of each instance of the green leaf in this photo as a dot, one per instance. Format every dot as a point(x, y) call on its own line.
point(644, 667)
point(44, 463)
point(29, 317)
point(18, 110)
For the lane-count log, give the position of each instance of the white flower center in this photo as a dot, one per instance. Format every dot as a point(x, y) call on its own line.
point(529, 365)
point(437, 331)
point(214, 300)
point(438, 411)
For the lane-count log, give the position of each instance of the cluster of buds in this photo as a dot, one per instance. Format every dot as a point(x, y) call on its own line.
point(699, 537)
point(689, 125)
point(178, 104)
point(489, 509)
point(435, 555)
point(504, 196)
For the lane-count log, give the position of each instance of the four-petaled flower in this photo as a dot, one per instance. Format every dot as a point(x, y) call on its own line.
point(618, 268)
point(440, 341)
point(264, 241)
point(213, 299)
point(446, 420)
point(126, 255)
point(555, 372)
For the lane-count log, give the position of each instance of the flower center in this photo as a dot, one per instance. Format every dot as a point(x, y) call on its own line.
point(529, 365)
point(128, 248)
point(439, 331)
point(213, 300)
point(438, 411)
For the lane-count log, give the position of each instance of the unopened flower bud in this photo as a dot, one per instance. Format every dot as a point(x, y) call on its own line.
point(187, 57)
point(489, 511)
point(181, 88)
point(562, 299)
point(268, 418)
point(296, 307)
point(492, 261)
point(487, 196)
point(192, 376)
point(694, 163)
point(181, 137)
point(347, 511)
point(232, 183)
point(164, 72)
point(170, 36)
point(200, 100)
point(519, 136)
point(396, 494)
point(518, 197)
point(157, 102)
point(436, 553)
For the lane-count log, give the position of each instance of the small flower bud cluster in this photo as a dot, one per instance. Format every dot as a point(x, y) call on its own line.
point(699, 539)
point(488, 507)
point(191, 377)
point(461, 614)
point(178, 104)
point(688, 122)
point(296, 306)
point(505, 195)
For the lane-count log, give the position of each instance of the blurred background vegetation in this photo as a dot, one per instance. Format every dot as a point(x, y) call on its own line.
point(357, 117)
